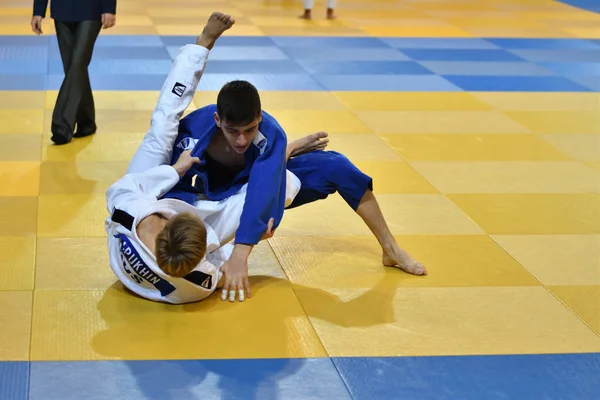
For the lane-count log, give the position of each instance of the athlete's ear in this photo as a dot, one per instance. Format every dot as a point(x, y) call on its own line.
point(217, 119)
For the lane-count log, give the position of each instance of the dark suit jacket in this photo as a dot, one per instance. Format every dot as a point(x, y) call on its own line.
point(75, 10)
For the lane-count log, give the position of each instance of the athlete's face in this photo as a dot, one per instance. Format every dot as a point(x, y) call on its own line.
point(239, 137)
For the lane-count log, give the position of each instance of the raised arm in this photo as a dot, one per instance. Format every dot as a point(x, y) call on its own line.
point(175, 97)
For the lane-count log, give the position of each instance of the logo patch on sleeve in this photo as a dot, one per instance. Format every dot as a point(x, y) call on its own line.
point(179, 89)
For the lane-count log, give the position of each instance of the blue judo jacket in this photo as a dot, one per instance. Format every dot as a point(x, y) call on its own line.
point(264, 172)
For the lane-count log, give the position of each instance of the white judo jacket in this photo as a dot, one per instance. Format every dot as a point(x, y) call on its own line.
point(149, 177)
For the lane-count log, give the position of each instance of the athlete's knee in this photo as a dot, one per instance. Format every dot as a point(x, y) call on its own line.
point(181, 245)
point(340, 167)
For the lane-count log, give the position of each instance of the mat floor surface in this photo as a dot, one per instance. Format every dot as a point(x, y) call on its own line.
point(479, 122)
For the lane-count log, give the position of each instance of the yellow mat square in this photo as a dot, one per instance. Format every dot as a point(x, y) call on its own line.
point(86, 325)
point(356, 146)
point(19, 147)
point(440, 122)
point(540, 101)
point(355, 262)
point(21, 121)
point(16, 263)
point(99, 147)
point(18, 215)
point(115, 121)
point(532, 213)
point(518, 32)
point(446, 321)
point(309, 121)
point(421, 31)
point(581, 147)
point(395, 177)
point(21, 178)
point(404, 213)
point(558, 121)
point(194, 30)
point(510, 177)
point(15, 319)
point(277, 100)
point(72, 215)
point(72, 264)
point(583, 300)
point(556, 259)
point(119, 30)
point(202, 11)
point(311, 30)
point(117, 100)
point(594, 164)
point(58, 177)
point(473, 147)
point(410, 101)
point(22, 100)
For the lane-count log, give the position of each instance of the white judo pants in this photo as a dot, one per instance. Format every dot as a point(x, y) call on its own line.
point(309, 4)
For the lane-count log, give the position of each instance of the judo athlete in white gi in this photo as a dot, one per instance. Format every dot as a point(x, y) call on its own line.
point(188, 241)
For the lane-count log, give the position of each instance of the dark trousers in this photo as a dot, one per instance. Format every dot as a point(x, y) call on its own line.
point(75, 102)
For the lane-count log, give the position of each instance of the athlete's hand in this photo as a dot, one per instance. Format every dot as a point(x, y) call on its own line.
point(185, 162)
point(270, 231)
point(236, 276)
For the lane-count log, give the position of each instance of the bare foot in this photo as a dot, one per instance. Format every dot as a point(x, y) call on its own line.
point(214, 28)
point(307, 15)
point(316, 141)
point(401, 259)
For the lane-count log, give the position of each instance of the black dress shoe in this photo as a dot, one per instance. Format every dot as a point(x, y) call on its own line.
point(85, 130)
point(61, 136)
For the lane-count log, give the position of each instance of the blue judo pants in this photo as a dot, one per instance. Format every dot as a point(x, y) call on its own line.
point(325, 172)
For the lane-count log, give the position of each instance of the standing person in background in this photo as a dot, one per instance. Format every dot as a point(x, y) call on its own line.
point(77, 25)
point(309, 4)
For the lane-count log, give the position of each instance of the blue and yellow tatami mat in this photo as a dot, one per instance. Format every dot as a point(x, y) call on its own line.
point(480, 123)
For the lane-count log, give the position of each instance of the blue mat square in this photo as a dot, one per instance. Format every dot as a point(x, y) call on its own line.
point(558, 55)
point(23, 82)
point(240, 53)
point(23, 67)
point(460, 55)
point(590, 82)
point(485, 68)
point(254, 67)
point(262, 81)
point(439, 43)
point(24, 53)
point(321, 43)
point(345, 54)
point(115, 82)
point(14, 380)
point(540, 44)
point(121, 53)
point(382, 83)
point(121, 41)
point(573, 68)
point(188, 379)
point(29, 40)
point(364, 67)
point(526, 377)
point(515, 84)
point(237, 41)
point(120, 67)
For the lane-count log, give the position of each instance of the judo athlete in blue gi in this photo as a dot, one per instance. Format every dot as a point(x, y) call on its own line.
point(239, 145)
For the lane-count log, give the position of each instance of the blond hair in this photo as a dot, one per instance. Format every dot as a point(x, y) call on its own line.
point(181, 245)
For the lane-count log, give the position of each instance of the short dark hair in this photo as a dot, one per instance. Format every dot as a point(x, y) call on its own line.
point(238, 103)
